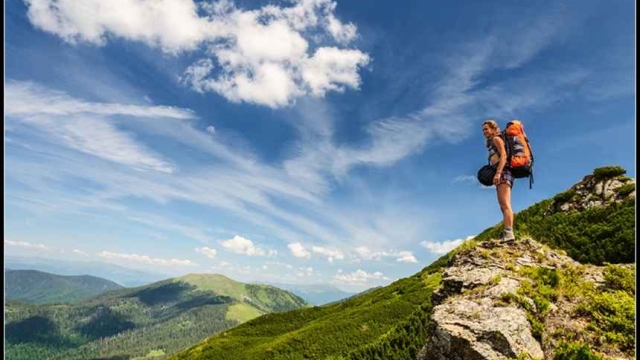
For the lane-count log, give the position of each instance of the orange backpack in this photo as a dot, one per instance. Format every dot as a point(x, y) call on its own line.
point(519, 155)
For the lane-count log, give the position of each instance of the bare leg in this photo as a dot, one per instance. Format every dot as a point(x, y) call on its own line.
point(504, 199)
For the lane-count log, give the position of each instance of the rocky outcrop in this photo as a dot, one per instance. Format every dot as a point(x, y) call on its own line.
point(593, 191)
point(471, 320)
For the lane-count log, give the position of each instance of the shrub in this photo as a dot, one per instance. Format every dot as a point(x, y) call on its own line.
point(627, 189)
point(620, 278)
point(563, 197)
point(574, 351)
point(608, 172)
point(613, 314)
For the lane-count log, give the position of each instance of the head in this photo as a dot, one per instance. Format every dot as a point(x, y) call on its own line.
point(490, 129)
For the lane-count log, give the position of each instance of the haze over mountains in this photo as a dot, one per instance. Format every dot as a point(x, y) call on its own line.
point(39, 287)
point(316, 294)
point(124, 276)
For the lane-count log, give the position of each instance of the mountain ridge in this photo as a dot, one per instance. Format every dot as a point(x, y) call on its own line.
point(159, 318)
point(41, 287)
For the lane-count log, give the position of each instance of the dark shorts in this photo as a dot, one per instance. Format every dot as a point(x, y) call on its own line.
point(506, 177)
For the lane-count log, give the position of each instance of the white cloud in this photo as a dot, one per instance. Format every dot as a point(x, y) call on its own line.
point(401, 256)
point(406, 256)
point(145, 259)
point(444, 246)
point(298, 250)
point(209, 252)
point(79, 125)
point(211, 130)
point(331, 68)
point(358, 277)
point(330, 254)
point(240, 245)
point(262, 55)
point(29, 99)
point(302, 272)
point(279, 263)
point(79, 252)
point(26, 244)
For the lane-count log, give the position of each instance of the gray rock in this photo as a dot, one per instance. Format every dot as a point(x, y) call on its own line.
point(479, 330)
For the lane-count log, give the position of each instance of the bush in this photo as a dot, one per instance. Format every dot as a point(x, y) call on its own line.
point(608, 172)
point(614, 315)
point(620, 278)
point(574, 351)
point(563, 197)
point(627, 189)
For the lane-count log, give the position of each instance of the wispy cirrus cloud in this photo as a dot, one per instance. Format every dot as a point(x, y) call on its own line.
point(27, 245)
point(26, 98)
point(81, 125)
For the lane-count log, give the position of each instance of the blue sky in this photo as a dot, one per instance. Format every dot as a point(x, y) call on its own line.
point(302, 141)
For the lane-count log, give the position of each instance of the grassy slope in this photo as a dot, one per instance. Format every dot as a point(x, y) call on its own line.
point(319, 332)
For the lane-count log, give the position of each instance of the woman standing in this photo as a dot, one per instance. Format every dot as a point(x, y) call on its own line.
point(503, 180)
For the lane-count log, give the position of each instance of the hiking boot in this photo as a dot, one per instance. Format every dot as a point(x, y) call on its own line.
point(507, 237)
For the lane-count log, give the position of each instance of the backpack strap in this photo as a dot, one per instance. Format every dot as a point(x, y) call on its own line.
point(507, 145)
point(530, 153)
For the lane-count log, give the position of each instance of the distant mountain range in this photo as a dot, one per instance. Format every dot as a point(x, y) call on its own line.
point(39, 287)
point(316, 294)
point(148, 321)
point(119, 274)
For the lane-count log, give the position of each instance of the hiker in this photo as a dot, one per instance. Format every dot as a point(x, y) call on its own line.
point(503, 179)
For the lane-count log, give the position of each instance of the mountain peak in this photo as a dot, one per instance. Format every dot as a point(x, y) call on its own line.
point(605, 186)
point(495, 296)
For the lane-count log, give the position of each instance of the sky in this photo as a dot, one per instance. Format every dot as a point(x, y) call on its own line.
point(301, 142)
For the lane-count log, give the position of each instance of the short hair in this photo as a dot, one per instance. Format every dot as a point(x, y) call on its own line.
point(492, 124)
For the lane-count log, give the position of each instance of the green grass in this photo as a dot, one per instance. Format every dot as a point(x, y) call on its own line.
point(371, 321)
point(242, 313)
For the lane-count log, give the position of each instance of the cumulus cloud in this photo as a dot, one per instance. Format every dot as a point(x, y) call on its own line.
point(145, 259)
point(401, 256)
point(240, 245)
point(298, 250)
point(330, 254)
point(358, 277)
point(209, 252)
point(79, 252)
point(261, 56)
point(302, 272)
point(406, 256)
point(444, 246)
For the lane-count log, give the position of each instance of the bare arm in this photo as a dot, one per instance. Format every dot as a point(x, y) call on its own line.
point(499, 143)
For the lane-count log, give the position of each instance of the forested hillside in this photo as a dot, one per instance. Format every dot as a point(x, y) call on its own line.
point(40, 287)
point(157, 319)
